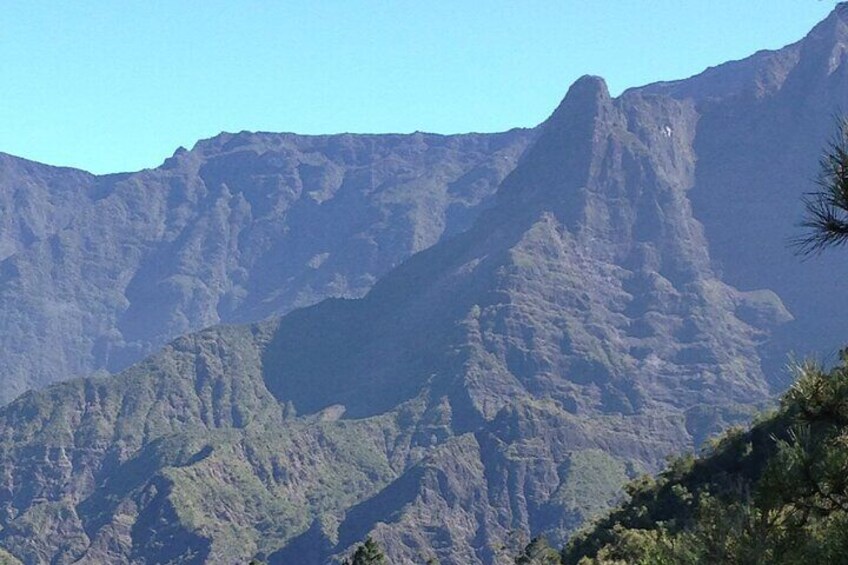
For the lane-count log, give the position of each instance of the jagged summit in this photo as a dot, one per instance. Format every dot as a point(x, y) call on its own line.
point(827, 43)
point(559, 164)
point(832, 30)
point(585, 96)
point(765, 72)
point(575, 330)
point(840, 11)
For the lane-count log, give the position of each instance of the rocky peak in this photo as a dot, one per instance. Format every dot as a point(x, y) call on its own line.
point(506, 379)
point(560, 160)
point(826, 46)
point(614, 171)
point(585, 99)
point(834, 27)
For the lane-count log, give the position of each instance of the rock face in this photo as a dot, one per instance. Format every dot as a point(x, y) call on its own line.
point(763, 124)
point(501, 383)
point(97, 272)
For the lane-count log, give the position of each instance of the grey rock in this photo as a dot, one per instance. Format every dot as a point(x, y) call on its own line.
point(501, 383)
point(97, 272)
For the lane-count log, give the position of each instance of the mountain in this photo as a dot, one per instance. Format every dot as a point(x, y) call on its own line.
point(97, 272)
point(763, 123)
point(507, 379)
point(503, 382)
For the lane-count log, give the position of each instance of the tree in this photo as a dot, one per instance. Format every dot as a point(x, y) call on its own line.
point(826, 218)
point(368, 553)
point(776, 494)
point(538, 552)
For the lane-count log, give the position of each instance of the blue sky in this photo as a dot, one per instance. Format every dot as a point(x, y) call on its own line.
point(117, 85)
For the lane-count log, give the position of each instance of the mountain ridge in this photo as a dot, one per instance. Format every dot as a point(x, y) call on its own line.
point(464, 394)
point(507, 379)
point(254, 230)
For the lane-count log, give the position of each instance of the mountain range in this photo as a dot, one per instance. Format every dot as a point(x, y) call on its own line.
point(514, 324)
point(98, 272)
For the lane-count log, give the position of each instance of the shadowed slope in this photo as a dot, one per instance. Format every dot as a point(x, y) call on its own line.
point(97, 272)
point(505, 380)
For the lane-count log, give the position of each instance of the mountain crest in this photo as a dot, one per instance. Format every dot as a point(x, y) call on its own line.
point(827, 43)
point(586, 97)
point(560, 160)
point(507, 379)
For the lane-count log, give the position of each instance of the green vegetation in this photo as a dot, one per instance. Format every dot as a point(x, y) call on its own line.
point(777, 493)
point(538, 552)
point(8, 559)
point(599, 339)
point(369, 553)
point(592, 483)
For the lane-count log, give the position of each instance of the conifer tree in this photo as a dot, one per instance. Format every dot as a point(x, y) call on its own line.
point(368, 553)
point(826, 218)
point(538, 552)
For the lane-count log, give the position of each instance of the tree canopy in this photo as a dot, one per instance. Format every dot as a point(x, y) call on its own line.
point(776, 493)
point(368, 553)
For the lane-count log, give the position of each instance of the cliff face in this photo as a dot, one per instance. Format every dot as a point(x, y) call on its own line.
point(576, 332)
point(505, 380)
point(501, 383)
point(590, 263)
point(763, 124)
point(98, 272)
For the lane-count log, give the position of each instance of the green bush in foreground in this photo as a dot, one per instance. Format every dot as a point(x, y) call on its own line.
point(777, 493)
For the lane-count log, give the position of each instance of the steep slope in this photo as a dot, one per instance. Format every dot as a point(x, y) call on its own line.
point(773, 493)
point(503, 382)
point(763, 122)
point(96, 272)
point(184, 458)
point(590, 263)
point(36, 201)
point(506, 380)
point(578, 316)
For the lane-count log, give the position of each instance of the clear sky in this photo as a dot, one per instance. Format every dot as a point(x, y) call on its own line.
point(117, 85)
